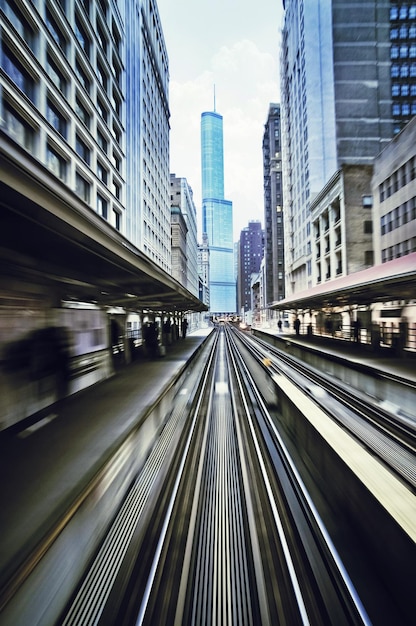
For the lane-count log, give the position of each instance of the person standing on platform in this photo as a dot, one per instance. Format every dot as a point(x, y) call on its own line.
point(184, 327)
point(279, 325)
point(296, 325)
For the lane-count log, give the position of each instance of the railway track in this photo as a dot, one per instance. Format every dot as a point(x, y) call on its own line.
point(221, 528)
point(386, 435)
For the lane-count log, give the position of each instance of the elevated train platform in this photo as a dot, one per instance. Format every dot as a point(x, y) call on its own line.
point(47, 464)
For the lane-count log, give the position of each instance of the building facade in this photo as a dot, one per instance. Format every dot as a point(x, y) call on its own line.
point(179, 233)
point(62, 96)
point(394, 193)
point(273, 207)
point(203, 270)
point(147, 132)
point(403, 62)
point(333, 113)
point(217, 216)
point(84, 89)
point(181, 195)
point(342, 224)
point(251, 250)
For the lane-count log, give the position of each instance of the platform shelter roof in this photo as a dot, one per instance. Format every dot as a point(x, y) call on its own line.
point(393, 280)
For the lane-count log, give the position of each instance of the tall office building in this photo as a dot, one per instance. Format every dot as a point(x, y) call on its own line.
point(251, 251)
point(84, 91)
point(217, 216)
point(336, 108)
point(274, 288)
point(403, 62)
point(62, 97)
point(147, 133)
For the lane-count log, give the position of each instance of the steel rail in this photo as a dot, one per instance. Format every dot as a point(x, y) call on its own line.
point(306, 503)
point(367, 424)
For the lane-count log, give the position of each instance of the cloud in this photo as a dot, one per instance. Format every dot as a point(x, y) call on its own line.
point(246, 81)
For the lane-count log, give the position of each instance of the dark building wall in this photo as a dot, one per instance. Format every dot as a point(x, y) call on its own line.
point(250, 256)
point(273, 207)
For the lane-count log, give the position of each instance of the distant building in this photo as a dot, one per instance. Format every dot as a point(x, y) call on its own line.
point(181, 196)
point(203, 270)
point(273, 207)
point(250, 256)
point(217, 216)
point(336, 109)
point(179, 231)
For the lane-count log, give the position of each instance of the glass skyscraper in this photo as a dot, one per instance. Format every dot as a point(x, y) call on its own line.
point(217, 216)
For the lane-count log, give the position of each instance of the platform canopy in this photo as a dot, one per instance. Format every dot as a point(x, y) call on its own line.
point(48, 234)
point(394, 280)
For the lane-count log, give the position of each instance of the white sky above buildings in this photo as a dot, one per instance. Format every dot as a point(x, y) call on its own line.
point(234, 45)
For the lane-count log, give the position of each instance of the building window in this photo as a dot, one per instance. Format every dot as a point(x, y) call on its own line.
point(102, 206)
point(17, 128)
point(404, 70)
point(116, 103)
point(394, 52)
point(102, 142)
point(116, 133)
point(102, 76)
point(395, 70)
point(368, 257)
point(55, 31)
point(82, 150)
point(102, 39)
point(405, 109)
point(116, 190)
point(103, 5)
point(116, 71)
point(404, 51)
point(395, 89)
point(56, 163)
point(19, 22)
point(116, 161)
point(82, 76)
point(82, 188)
point(117, 219)
point(102, 173)
point(56, 119)
point(82, 113)
point(102, 110)
point(403, 32)
point(82, 37)
point(367, 202)
point(368, 227)
point(56, 75)
point(116, 35)
point(17, 73)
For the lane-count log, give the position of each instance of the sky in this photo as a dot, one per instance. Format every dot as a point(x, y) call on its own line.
point(227, 44)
